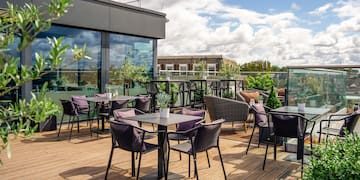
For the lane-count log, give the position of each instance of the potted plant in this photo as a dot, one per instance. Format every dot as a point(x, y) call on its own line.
point(163, 100)
point(273, 101)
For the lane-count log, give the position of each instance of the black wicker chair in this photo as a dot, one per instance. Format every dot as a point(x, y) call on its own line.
point(129, 138)
point(349, 123)
point(200, 139)
point(290, 126)
point(261, 122)
point(70, 110)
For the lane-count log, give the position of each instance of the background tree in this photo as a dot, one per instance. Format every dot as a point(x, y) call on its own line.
point(230, 71)
point(26, 23)
point(262, 66)
point(129, 73)
point(201, 69)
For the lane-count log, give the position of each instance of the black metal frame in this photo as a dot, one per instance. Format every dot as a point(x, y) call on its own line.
point(267, 109)
point(190, 134)
point(307, 121)
point(113, 146)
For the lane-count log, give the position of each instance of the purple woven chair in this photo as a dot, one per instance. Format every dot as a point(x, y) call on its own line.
point(201, 138)
point(143, 103)
point(70, 110)
point(82, 105)
point(261, 122)
point(129, 138)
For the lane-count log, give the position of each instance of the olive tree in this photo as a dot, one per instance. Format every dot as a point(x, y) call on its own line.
point(25, 23)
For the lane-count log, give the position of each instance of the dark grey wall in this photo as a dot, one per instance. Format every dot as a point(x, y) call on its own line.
point(106, 15)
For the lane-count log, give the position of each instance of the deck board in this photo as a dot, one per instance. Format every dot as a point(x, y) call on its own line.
point(47, 157)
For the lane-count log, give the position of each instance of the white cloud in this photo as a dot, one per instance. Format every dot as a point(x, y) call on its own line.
point(321, 10)
point(211, 27)
point(295, 7)
point(347, 9)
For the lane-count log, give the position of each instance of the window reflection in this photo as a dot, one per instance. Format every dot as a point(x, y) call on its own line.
point(81, 77)
point(138, 50)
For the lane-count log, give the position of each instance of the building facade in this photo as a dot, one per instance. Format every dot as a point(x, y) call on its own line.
point(188, 63)
point(111, 32)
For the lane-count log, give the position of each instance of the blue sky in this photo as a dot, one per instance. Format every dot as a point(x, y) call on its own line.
point(285, 32)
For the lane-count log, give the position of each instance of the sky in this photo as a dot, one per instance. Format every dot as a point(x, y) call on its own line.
point(284, 32)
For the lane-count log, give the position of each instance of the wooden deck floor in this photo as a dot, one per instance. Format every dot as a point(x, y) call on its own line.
point(47, 157)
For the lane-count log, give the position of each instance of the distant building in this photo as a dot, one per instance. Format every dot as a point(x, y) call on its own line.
point(186, 63)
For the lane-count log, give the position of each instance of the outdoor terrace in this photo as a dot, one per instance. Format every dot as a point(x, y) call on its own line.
point(47, 157)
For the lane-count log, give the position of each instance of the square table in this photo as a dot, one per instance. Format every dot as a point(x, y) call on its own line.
point(310, 112)
point(163, 123)
point(98, 99)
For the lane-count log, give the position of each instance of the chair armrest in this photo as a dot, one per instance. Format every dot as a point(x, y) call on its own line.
point(139, 111)
point(187, 133)
point(334, 115)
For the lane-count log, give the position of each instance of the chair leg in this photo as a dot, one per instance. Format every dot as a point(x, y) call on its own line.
point(78, 124)
point(138, 169)
point(302, 166)
point(274, 147)
point(132, 164)
point(167, 162)
point(247, 149)
point(189, 166)
point(109, 163)
point(207, 156)
point(222, 163)
point(267, 146)
point(61, 121)
point(179, 152)
point(195, 167)
point(232, 124)
point(72, 125)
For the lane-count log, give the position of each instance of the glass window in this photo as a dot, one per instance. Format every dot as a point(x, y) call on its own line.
point(138, 49)
point(169, 67)
point(211, 68)
point(80, 78)
point(183, 69)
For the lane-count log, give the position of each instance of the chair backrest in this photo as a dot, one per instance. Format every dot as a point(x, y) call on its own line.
point(228, 109)
point(350, 123)
point(207, 135)
point(127, 137)
point(287, 125)
point(142, 103)
point(68, 107)
point(122, 114)
point(80, 102)
point(260, 114)
point(119, 104)
point(190, 124)
point(152, 88)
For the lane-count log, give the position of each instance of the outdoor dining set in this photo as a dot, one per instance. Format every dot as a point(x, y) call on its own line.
point(192, 134)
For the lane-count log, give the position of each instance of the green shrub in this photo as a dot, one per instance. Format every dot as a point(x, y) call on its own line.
point(339, 159)
point(263, 82)
point(273, 100)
